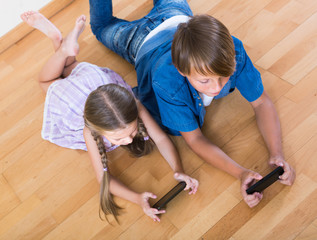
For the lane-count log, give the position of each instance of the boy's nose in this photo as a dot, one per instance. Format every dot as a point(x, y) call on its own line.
point(217, 87)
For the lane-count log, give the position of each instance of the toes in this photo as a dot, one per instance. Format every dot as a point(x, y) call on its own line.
point(81, 18)
point(23, 17)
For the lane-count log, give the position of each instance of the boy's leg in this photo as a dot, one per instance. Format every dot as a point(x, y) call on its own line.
point(170, 8)
point(109, 30)
point(63, 60)
point(101, 16)
point(123, 37)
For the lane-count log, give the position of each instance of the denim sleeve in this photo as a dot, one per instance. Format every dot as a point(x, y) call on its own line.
point(247, 77)
point(174, 114)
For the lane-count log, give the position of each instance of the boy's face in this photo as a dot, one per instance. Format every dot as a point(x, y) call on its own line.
point(210, 85)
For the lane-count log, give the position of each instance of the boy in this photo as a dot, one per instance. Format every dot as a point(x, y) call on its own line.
point(182, 63)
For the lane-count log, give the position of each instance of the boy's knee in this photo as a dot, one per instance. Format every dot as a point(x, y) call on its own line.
point(94, 27)
point(98, 26)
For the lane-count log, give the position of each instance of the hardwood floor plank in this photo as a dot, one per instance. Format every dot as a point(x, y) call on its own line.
point(85, 218)
point(304, 159)
point(306, 88)
point(224, 11)
point(208, 216)
point(8, 198)
point(48, 192)
point(300, 135)
point(304, 214)
point(310, 233)
point(8, 222)
point(305, 30)
point(275, 211)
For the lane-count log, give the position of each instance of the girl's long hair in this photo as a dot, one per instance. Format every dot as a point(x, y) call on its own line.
point(111, 107)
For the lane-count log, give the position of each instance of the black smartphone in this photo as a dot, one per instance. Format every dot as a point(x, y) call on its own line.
point(160, 204)
point(266, 181)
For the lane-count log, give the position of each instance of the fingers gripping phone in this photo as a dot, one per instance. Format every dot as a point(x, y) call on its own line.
point(266, 181)
point(160, 204)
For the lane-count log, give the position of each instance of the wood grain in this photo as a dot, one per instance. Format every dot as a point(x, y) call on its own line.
point(48, 192)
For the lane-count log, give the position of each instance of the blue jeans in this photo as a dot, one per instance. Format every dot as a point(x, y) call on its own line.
point(124, 37)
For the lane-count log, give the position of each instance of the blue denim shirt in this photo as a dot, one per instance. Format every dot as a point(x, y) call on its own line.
point(171, 99)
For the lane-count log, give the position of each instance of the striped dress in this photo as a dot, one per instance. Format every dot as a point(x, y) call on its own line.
point(63, 121)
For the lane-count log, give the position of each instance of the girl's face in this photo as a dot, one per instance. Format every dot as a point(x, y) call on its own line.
point(123, 136)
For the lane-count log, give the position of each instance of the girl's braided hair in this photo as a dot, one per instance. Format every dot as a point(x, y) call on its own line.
point(111, 107)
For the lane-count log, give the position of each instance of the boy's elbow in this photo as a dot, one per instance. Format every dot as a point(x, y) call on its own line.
point(264, 99)
point(193, 138)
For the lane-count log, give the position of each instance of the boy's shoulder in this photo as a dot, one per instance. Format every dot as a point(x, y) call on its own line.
point(239, 49)
point(238, 45)
point(236, 41)
point(166, 77)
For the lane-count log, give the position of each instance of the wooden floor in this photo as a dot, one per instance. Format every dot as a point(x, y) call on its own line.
point(48, 192)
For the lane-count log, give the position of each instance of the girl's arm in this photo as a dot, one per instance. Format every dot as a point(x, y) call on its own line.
point(119, 189)
point(116, 187)
point(166, 148)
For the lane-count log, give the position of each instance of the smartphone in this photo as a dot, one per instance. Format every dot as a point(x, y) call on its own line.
point(160, 204)
point(266, 181)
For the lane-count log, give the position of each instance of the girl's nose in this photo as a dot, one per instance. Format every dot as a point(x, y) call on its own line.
point(128, 140)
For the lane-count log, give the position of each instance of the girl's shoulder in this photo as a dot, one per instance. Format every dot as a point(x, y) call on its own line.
point(94, 75)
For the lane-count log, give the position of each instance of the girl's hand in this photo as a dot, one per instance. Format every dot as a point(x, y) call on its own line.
point(247, 179)
point(289, 175)
point(191, 183)
point(151, 212)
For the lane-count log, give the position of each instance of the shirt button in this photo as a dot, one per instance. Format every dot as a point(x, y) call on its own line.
point(199, 104)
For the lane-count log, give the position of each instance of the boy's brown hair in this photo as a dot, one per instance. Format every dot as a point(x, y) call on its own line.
point(205, 44)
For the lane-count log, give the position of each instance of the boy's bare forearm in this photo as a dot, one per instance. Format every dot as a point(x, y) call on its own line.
point(215, 156)
point(269, 125)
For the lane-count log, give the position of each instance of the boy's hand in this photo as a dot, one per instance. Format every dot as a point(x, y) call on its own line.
point(289, 174)
point(191, 183)
point(247, 179)
point(151, 212)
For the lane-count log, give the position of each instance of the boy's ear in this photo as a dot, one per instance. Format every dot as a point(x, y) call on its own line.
point(181, 73)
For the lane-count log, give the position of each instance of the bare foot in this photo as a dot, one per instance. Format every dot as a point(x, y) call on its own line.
point(38, 21)
point(70, 45)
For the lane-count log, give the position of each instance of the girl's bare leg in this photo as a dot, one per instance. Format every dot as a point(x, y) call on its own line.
point(38, 21)
point(63, 61)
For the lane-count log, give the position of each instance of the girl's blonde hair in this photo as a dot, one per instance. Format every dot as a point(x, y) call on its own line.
point(111, 107)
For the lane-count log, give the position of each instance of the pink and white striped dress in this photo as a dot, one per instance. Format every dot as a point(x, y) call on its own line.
point(63, 121)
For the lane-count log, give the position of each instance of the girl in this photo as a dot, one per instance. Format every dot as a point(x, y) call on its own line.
point(112, 116)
